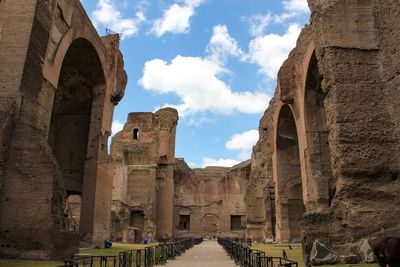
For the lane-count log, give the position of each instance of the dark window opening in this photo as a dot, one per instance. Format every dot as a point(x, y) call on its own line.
point(236, 222)
point(136, 134)
point(184, 222)
point(137, 219)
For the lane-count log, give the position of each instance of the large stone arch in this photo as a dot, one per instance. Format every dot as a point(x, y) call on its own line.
point(287, 176)
point(56, 56)
point(81, 74)
point(74, 118)
point(317, 152)
point(35, 175)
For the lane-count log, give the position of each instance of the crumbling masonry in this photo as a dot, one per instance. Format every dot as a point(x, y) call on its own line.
point(143, 190)
point(330, 138)
point(59, 84)
point(326, 166)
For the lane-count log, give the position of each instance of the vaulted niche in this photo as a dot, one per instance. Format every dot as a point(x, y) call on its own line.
point(319, 172)
point(289, 205)
point(81, 72)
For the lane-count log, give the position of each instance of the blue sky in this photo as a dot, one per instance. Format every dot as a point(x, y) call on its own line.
point(215, 61)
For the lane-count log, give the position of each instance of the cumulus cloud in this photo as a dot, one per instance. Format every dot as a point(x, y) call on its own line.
point(108, 15)
point(207, 161)
point(176, 18)
point(195, 81)
point(258, 23)
point(292, 8)
point(222, 45)
point(116, 127)
point(269, 51)
point(243, 142)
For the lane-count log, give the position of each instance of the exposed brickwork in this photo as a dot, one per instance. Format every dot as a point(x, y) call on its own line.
point(56, 92)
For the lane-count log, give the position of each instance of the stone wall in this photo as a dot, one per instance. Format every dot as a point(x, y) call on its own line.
point(211, 199)
point(334, 104)
point(143, 154)
point(51, 49)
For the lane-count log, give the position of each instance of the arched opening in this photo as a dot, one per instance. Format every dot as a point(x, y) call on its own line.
point(136, 219)
point(289, 199)
point(135, 134)
point(116, 227)
point(319, 172)
point(71, 120)
point(210, 225)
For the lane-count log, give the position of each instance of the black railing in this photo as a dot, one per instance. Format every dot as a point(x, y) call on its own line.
point(92, 261)
point(145, 257)
point(244, 256)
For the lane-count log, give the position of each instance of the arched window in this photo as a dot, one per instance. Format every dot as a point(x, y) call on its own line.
point(135, 134)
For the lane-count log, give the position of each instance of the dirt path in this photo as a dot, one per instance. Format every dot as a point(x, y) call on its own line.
point(207, 254)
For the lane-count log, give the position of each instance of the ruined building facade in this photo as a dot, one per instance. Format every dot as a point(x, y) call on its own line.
point(143, 189)
point(156, 196)
point(210, 202)
point(330, 138)
point(59, 84)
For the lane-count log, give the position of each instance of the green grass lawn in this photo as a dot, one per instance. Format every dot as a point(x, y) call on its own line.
point(114, 251)
point(295, 254)
point(21, 263)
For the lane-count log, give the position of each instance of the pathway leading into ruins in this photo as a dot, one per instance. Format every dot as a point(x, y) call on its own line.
point(206, 254)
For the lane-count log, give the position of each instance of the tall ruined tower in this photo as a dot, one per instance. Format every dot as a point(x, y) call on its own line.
point(143, 154)
point(167, 119)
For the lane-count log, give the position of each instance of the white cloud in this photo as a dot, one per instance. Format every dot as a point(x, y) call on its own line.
point(108, 15)
point(293, 8)
point(176, 18)
point(218, 162)
point(116, 127)
point(200, 121)
point(223, 45)
point(195, 81)
point(258, 23)
point(243, 142)
point(271, 50)
point(299, 6)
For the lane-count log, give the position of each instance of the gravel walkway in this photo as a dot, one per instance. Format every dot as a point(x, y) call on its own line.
point(206, 254)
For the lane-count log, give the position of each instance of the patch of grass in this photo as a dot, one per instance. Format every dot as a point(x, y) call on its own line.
point(22, 263)
point(115, 250)
point(295, 254)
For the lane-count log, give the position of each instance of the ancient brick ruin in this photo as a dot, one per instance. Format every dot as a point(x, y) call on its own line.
point(210, 202)
point(143, 190)
point(156, 196)
point(57, 98)
point(329, 140)
point(326, 165)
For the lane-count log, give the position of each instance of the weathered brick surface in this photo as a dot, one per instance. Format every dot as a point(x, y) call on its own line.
point(143, 155)
point(54, 134)
point(347, 130)
point(210, 196)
